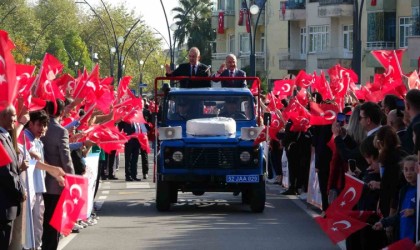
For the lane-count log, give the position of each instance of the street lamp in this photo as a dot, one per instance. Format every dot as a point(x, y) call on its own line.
point(253, 9)
point(76, 67)
point(357, 41)
point(142, 64)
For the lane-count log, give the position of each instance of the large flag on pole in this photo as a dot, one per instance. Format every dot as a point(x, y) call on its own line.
point(7, 71)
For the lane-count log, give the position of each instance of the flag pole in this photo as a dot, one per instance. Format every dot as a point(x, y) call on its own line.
point(28, 199)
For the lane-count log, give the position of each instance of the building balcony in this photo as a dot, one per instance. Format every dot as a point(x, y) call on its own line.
point(261, 21)
point(380, 45)
point(335, 8)
point(332, 56)
point(258, 54)
point(295, 10)
point(219, 56)
point(229, 19)
point(291, 59)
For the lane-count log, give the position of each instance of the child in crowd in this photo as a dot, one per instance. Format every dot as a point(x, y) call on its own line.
point(405, 219)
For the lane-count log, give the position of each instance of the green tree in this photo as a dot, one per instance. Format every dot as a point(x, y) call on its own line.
point(194, 26)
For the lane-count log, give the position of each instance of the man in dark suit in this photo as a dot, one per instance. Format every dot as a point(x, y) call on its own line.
point(131, 150)
point(11, 189)
point(192, 68)
point(370, 120)
point(412, 106)
point(228, 69)
point(56, 153)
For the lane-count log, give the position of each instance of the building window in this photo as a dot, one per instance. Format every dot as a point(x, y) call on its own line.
point(381, 27)
point(405, 30)
point(348, 37)
point(226, 5)
point(303, 41)
point(244, 43)
point(319, 38)
point(231, 44)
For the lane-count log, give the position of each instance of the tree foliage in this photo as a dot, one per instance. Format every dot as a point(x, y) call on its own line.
point(193, 19)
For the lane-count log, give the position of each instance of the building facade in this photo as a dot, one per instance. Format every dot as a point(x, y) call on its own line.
point(314, 35)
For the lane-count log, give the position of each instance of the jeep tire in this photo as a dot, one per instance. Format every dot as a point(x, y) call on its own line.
point(163, 196)
point(257, 199)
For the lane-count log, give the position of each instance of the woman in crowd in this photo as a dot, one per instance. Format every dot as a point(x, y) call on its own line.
point(390, 155)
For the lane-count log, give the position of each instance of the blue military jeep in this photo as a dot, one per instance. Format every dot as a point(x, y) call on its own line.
point(206, 144)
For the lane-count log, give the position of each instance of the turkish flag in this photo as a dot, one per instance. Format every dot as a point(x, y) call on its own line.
point(304, 80)
point(85, 87)
point(221, 28)
point(276, 125)
point(144, 142)
point(274, 103)
point(358, 214)
point(302, 97)
point(414, 80)
point(247, 15)
point(404, 244)
point(322, 86)
point(106, 137)
point(284, 87)
point(105, 95)
point(242, 13)
point(4, 156)
point(70, 204)
point(261, 137)
point(391, 60)
point(8, 84)
point(46, 88)
point(84, 120)
point(129, 111)
point(255, 88)
point(340, 79)
point(339, 226)
point(349, 197)
point(299, 116)
point(324, 113)
point(123, 92)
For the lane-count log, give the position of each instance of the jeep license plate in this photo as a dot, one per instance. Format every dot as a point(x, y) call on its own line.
point(242, 178)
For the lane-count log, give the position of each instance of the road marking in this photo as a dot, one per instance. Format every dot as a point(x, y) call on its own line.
point(102, 197)
point(105, 192)
point(144, 185)
point(64, 241)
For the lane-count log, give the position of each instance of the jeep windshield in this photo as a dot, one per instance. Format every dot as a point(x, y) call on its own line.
point(186, 107)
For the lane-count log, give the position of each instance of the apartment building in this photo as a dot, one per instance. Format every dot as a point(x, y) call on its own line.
point(316, 34)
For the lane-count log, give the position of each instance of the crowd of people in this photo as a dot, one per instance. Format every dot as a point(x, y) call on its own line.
point(39, 139)
point(378, 144)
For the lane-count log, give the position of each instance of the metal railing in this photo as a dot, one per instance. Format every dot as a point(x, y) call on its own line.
point(380, 45)
point(332, 2)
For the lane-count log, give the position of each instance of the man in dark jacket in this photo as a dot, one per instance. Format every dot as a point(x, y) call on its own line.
point(228, 69)
point(11, 189)
point(192, 68)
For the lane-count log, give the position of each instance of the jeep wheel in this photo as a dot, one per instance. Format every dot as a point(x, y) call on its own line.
point(246, 196)
point(174, 193)
point(163, 196)
point(257, 199)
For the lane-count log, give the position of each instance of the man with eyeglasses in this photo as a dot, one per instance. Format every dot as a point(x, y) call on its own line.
point(370, 120)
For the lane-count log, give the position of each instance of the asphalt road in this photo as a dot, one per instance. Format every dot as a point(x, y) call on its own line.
point(128, 220)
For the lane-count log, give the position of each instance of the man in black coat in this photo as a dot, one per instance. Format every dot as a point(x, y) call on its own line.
point(412, 106)
point(131, 150)
point(193, 68)
point(11, 189)
point(228, 69)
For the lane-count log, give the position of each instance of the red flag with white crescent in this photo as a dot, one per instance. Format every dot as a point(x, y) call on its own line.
point(349, 197)
point(284, 88)
point(221, 27)
point(261, 137)
point(4, 156)
point(304, 80)
point(414, 80)
point(70, 204)
point(338, 226)
point(8, 84)
point(324, 113)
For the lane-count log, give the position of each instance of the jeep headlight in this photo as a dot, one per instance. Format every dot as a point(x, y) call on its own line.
point(245, 156)
point(177, 156)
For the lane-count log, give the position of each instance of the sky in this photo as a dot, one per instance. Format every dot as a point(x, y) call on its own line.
point(152, 13)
